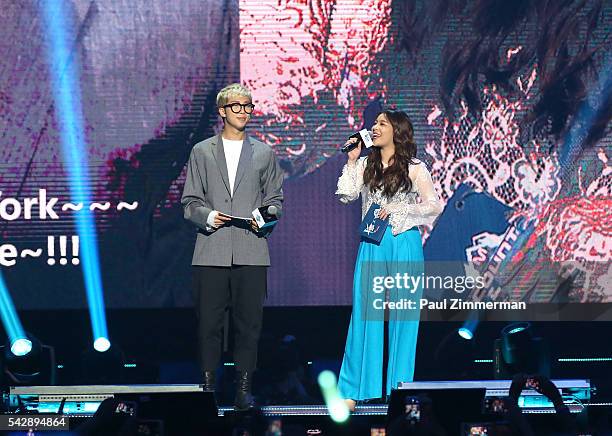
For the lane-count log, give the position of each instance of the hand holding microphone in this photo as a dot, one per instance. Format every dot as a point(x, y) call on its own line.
point(355, 142)
point(354, 154)
point(264, 217)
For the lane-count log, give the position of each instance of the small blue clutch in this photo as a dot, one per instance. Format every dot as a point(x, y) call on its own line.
point(372, 228)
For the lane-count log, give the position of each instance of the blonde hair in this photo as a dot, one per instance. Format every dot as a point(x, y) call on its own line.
point(235, 89)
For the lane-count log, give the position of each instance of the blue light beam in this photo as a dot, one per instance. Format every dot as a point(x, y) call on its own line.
point(64, 72)
point(20, 344)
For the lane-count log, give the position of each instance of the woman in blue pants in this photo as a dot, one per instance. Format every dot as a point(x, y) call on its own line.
point(391, 177)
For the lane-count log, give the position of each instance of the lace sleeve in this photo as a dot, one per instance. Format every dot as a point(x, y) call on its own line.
point(405, 215)
point(351, 181)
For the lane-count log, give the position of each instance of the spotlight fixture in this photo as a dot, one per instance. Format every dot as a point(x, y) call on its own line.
point(26, 361)
point(21, 346)
point(101, 344)
point(468, 329)
point(518, 351)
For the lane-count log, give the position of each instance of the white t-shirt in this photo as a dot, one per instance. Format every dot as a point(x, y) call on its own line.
point(232, 151)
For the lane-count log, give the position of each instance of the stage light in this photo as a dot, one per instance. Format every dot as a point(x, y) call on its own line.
point(516, 330)
point(10, 321)
point(338, 410)
point(469, 327)
point(27, 362)
point(101, 344)
point(21, 347)
point(63, 60)
point(516, 343)
point(518, 351)
point(465, 333)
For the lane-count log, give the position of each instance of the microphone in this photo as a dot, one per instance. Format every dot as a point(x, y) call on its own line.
point(266, 216)
point(364, 136)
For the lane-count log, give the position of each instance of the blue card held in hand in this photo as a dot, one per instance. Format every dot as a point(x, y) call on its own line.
point(373, 228)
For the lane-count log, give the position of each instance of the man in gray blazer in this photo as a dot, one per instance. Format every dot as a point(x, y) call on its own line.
point(231, 174)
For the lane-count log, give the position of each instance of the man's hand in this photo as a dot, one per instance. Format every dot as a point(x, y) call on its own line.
point(254, 226)
point(221, 219)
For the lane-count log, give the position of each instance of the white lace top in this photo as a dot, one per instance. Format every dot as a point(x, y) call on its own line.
point(405, 209)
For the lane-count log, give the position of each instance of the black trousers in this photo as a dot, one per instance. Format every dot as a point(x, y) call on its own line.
point(244, 288)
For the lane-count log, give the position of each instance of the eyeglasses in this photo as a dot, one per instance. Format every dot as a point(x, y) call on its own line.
point(235, 107)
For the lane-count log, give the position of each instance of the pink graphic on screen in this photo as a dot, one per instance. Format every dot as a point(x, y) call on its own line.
point(299, 54)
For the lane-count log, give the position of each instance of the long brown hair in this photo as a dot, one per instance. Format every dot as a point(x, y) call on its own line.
point(395, 177)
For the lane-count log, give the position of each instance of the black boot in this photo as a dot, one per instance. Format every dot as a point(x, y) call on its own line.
point(209, 384)
point(244, 400)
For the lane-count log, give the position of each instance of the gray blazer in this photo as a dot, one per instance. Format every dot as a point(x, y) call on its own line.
point(258, 183)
